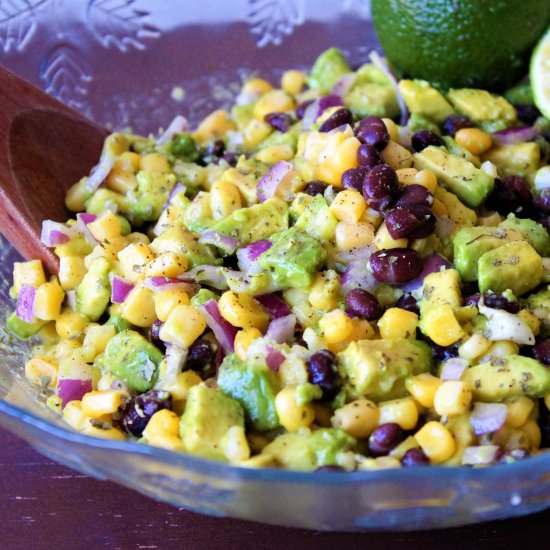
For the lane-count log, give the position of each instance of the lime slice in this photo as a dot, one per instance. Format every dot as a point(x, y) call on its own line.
point(539, 74)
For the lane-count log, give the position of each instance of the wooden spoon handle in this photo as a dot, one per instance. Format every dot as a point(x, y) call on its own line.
point(45, 147)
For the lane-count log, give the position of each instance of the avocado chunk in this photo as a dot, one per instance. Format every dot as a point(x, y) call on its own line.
point(255, 222)
point(293, 259)
point(481, 105)
point(318, 220)
point(207, 416)
point(176, 239)
point(105, 199)
point(508, 377)
point(372, 99)
point(515, 266)
point(377, 369)
point(22, 329)
point(534, 232)
point(419, 122)
point(421, 98)
point(455, 149)
point(539, 305)
point(94, 291)
point(521, 159)
point(441, 287)
point(308, 451)
point(118, 322)
point(471, 185)
point(458, 212)
point(254, 387)
point(328, 68)
point(522, 94)
point(470, 243)
point(132, 359)
point(148, 199)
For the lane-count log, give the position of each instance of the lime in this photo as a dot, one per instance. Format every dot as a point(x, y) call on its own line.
point(539, 74)
point(460, 43)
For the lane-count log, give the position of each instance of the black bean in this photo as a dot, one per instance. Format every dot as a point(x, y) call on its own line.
point(139, 410)
point(415, 222)
point(384, 439)
point(422, 139)
point(414, 457)
point(231, 158)
point(442, 353)
point(454, 123)
point(380, 187)
point(527, 113)
point(510, 194)
point(408, 302)
point(354, 178)
point(368, 156)
point(301, 109)
point(361, 303)
point(321, 367)
point(336, 119)
point(396, 265)
point(542, 201)
point(372, 131)
point(200, 355)
point(279, 121)
point(415, 194)
point(541, 351)
point(498, 301)
point(315, 187)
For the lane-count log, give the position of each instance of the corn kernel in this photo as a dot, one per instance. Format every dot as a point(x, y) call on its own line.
point(399, 411)
point(423, 387)
point(154, 162)
point(97, 337)
point(98, 403)
point(292, 416)
point(358, 418)
point(275, 153)
point(325, 291)
point(48, 299)
point(392, 128)
point(383, 240)
point(48, 334)
point(407, 176)
point(133, 260)
point(128, 161)
point(71, 271)
point(348, 206)
point(353, 235)
point(475, 346)
point(28, 273)
point(184, 381)
point(235, 445)
point(293, 81)
point(531, 320)
point(452, 398)
point(214, 126)
point(397, 156)
point(103, 432)
point(256, 87)
point(243, 339)
point(255, 132)
point(427, 179)
point(70, 324)
point(440, 324)
point(436, 441)
point(107, 226)
point(492, 220)
point(162, 422)
point(167, 264)
point(65, 348)
point(397, 323)
point(139, 307)
point(76, 196)
point(183, 326)
point(225, 198)
point(519, 409)
point(168, 299)
point(242, 311)
point(474, 140)
point(73, 415)
point(533, 433)
point(41, 373)
point(335, 327)
point(274, 101)
point(439, 209)
point(344, 157)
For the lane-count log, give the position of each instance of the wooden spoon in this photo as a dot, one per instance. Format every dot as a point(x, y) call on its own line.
point(45, 147)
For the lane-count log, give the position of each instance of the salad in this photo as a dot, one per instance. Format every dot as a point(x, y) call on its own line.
point(343, 272)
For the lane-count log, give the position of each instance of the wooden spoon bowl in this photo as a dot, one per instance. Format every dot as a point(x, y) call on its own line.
point(45, 147)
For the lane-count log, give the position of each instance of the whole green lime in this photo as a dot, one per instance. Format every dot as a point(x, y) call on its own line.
point(460, 43)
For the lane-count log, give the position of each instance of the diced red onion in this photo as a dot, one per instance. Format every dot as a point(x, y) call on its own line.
point(271, 181)
point(178, 125)
point(281, 330)
point(178, 188)
point(482, 454)
point(248, 255)
point(377, 61)
point(120, 288)
point(82, 221)
point(25, 303)
point(274, 305)
point(453, 368)
point(432, 264)
point(70, 297)
point(488, 417)
point(55, 233)
point(354, 255)
point(219, 240)
point(100, 172)
point(317, 107)
point(86, 217)
point(223, 331)
point(344, 84)
point(358, 275)
point(503, 325)
point(512, 136)
point(162, 283)
point(70, 389)
point(274, 358)
point(210, 275)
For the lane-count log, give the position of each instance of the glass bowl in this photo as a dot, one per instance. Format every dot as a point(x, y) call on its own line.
point(133, 63)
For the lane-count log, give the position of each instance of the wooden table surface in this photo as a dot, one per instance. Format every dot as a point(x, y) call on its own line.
point(44, 506)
